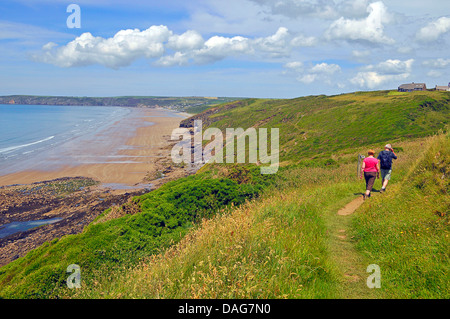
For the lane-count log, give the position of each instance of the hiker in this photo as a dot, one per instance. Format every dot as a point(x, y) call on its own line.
point(371, 169)
point(385, 159)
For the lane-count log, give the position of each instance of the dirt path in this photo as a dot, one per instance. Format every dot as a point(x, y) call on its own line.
point(342, 248)
point(351, 207)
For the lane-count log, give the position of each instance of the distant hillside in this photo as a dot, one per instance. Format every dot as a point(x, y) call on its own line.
point(191, 104)
point(318, 126)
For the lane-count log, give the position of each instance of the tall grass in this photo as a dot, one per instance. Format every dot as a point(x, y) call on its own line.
point(278, 246)
point(163, 217)
point(406, 230)
point(275, 247)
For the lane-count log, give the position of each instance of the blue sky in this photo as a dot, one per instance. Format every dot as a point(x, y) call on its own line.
point(243, 48)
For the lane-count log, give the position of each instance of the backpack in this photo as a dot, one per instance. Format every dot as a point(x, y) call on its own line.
point(385, 160)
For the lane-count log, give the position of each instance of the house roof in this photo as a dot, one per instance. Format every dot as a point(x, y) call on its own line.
point(412, 86)
point(440, 87)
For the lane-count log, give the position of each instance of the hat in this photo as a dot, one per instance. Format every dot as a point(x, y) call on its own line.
point(388, 146)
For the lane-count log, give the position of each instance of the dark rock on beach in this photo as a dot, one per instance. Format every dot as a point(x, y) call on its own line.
point(76, 201)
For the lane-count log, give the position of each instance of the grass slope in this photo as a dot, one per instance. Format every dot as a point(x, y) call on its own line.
point(406, 230)
point(285, 245)
point(319, 126)
point(165, 216)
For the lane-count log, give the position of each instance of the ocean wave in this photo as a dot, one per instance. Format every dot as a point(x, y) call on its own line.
point(13, 148)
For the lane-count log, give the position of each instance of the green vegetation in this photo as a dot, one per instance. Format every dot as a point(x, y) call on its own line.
point(286, 245)
point(166, 215)
point(229, 232)
point(406, 231)
point(63, 186)
point(319, 126)
point(273, 248)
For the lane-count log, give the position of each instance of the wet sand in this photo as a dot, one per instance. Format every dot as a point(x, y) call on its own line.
point(115, 156)
point(80, 179)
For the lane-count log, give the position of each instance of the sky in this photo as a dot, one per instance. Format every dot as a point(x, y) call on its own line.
point(233, 48)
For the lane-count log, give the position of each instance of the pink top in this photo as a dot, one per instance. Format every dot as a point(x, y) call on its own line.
point(371, 164)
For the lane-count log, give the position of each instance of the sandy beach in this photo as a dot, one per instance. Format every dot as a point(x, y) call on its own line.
point(80, 179)
point(116, 156)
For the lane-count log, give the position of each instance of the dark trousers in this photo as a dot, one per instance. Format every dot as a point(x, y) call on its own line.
point(370, 179)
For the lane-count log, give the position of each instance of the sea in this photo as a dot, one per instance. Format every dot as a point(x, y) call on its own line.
point(32, 134)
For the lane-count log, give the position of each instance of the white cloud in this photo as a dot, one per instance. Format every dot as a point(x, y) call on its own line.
point(325, 68)
point(369, 30)
point(353, 8)
point(303, 41)
point(121, 50)
point(437, 64)
point(434, 30)
point(281, 43)
point(360, 56)
point(318, 72)
point(49, 46)
point(189, 40)
point(373, 76)
point(278, 45)
point(394, 67)
point(307, 78)
point(296, 65)
point(214, 49)
point(178, 58)
point(434, 74)
point(218, 48)
point(158, 42)
point(369, 79)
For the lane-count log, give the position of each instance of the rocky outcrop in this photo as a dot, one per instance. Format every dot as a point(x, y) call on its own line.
point(75, 200)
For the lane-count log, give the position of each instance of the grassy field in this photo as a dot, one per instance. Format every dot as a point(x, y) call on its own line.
point(321, 126)
point(229, 232)
point(406, 230)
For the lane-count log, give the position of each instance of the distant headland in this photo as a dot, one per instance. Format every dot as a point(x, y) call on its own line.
point(192, 104)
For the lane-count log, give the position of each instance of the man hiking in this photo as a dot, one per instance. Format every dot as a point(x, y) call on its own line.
point(385, 159)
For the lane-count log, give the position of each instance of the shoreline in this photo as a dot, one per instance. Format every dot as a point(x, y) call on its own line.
point(109, 158)
point(76, 195)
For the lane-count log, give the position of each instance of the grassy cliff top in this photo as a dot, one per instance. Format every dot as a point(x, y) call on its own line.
point(324, 125)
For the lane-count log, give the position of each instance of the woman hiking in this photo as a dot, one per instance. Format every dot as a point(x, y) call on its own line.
point(371, 169)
